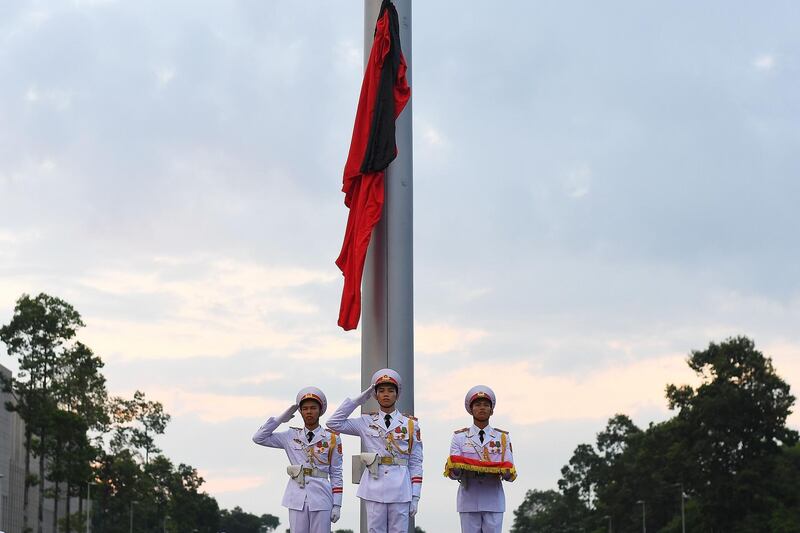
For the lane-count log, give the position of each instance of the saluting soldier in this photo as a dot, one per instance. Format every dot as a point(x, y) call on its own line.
point(313, 494)
point(392, 480)
point(487, 460)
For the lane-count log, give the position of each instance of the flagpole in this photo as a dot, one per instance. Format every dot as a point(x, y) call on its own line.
point(387, 305)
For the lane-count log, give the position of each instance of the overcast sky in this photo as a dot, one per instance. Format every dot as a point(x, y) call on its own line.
point(600, 187)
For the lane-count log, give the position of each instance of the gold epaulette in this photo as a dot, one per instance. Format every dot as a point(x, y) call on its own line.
point(462, 430)
point(332, 432)
point(412, 417)
point(501, 430)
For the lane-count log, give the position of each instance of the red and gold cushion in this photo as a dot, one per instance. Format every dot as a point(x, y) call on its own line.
point(476, 465)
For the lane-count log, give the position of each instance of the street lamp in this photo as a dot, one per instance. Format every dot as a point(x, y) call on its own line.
point(644, 521)
point(1, 503)
point(683, 512)
point(89, 506)
point(131, 524)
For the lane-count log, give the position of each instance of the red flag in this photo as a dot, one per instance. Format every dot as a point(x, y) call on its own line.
point(384, 94)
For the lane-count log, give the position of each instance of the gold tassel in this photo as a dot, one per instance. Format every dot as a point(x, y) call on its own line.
point(482, 469)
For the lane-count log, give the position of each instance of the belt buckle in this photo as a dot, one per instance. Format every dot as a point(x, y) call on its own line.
point(387, 461)
point(308, 471)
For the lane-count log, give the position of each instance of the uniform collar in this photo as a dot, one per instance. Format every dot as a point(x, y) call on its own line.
point(395, 420)
point(488, 431)
point(318, 433)
point(394, 414)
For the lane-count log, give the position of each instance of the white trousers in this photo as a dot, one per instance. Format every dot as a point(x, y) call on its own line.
point(483, 522)
point(306, 521)
point(387, 517)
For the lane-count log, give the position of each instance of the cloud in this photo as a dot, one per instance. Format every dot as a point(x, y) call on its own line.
point(350, 55)
point(219, 482)
point(578, 180)
point(213, 408)
point(432, 136)
point(443, 338)
point(764, 62)
point(786, 361)
point(527, 396)
point(9, 237)
point(92, 3)
point(164, 75)
point(260, 379)
point(326, 347)
point(224, 306)
point(59, 99)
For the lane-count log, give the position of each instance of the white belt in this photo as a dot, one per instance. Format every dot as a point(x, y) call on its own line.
point(392, 461)
point(315, 472)
point(372, 461)
point(300, 473)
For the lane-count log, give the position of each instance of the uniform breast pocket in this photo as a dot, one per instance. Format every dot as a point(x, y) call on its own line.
point(400, 442)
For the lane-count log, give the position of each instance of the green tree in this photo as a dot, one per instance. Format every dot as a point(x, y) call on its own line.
point(728, 449)
point(239, 521)
point(39, 332)
point(81, 399)
point(136, 424)
point(549, 511)
point(734, 422)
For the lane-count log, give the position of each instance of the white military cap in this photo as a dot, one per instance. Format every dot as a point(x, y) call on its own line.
point(387, 375)
point(313, 393)
point(478, 391)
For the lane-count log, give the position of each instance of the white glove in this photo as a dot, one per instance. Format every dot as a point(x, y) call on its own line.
point(366, 395)
point(336, 512)
point(288, 414)
point(412, 510)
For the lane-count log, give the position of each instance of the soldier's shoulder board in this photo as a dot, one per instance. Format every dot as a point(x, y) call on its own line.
point(501, 430)
point(294, 428)
point(412, 417)
point(462, 430)
point(332, 432)
point(373, 413)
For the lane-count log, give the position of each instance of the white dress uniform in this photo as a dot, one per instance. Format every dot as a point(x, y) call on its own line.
point(317, 488)
point(481, 500)
point(389, 488)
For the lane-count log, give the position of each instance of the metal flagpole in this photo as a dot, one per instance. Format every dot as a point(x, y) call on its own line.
point(387, 304)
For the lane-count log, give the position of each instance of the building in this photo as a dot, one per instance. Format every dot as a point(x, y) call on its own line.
point(12, 470)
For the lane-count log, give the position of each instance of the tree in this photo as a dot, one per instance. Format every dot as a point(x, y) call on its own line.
point(239, 521)
point(136, 423)
point(81, 399)
point(39, 332)
point(80, 436)
point(728, 448)
point(549, 511)
point(735, 420)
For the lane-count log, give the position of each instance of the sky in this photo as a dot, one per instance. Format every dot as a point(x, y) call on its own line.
point(599, 188)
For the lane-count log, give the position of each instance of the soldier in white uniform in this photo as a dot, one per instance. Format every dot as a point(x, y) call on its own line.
point(481, 501)
point(314, 492)
point(392, 480)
